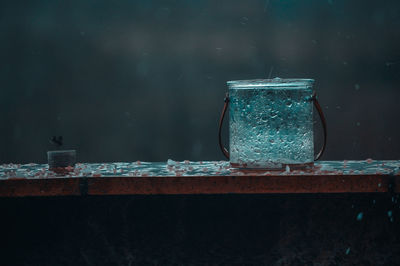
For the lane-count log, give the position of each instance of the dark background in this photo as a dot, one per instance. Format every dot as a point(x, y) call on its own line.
point(201, 230)
point(145, 80)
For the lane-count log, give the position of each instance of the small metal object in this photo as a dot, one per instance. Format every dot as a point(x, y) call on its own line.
point(63, 160)
point(60, 161)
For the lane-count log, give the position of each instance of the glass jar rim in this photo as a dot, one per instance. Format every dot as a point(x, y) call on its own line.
point(271, 83)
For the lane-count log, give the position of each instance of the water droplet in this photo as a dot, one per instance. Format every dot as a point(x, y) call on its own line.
point(390, 213)
point(287, 168)
point(360, 216)
point(347, 251)
point(171, 162)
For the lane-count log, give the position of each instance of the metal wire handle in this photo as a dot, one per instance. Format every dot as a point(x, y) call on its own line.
point(316, 104)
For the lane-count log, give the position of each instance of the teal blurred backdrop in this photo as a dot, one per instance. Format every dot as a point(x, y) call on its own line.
point(145, 80)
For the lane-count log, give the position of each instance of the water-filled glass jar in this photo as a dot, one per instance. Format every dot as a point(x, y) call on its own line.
point(271, 123)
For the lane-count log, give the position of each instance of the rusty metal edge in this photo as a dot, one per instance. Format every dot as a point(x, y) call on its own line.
point(39, 187)
point(238, 185)
point(153, 185)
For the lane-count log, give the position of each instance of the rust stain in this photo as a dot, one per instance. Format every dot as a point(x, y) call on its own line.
point(197, 178)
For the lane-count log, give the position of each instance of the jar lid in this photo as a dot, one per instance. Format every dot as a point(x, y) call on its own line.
point(271, 83)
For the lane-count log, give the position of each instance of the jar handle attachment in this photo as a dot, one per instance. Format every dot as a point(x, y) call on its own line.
point(316, 104)
point(323, 122)
point(221, 120)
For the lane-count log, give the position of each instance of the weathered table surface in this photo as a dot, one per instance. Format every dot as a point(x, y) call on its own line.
point(208, 177)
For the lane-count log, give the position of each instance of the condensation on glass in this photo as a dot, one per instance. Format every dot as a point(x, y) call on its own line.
point(271, 123)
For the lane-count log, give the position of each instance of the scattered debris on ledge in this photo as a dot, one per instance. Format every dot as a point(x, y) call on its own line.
point(187, 177)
